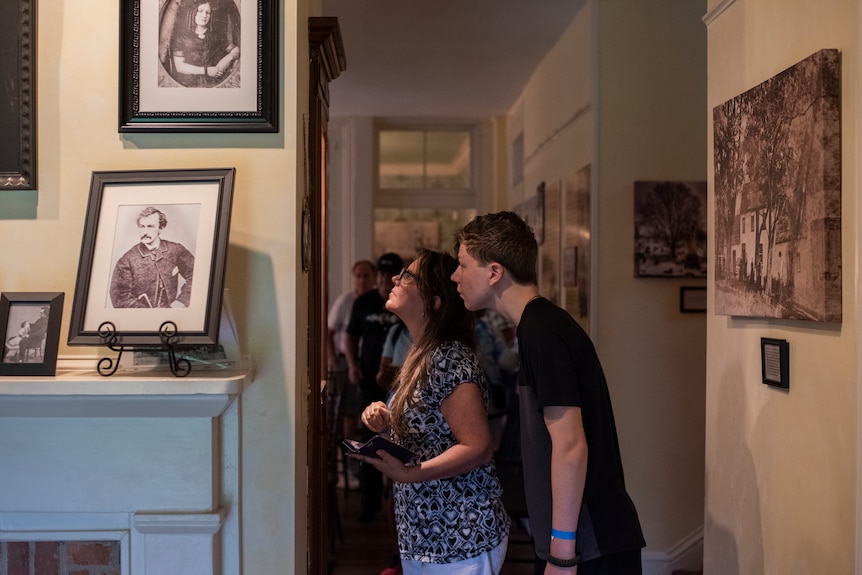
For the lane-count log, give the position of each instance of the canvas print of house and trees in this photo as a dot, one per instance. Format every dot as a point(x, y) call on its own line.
point(778, 196)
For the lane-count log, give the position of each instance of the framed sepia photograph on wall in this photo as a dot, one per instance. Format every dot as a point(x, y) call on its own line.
point(670, 229)
point(154, 250)
point(18, 95)
point(777, 162)
point(31, 332)
point(199, 66)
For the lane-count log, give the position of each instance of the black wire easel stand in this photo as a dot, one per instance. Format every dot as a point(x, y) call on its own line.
point(180, 367)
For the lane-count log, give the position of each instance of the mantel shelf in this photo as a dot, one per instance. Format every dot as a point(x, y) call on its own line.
point(85, 393)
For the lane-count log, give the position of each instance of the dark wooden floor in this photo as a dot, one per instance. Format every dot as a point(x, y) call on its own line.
point(369, 548)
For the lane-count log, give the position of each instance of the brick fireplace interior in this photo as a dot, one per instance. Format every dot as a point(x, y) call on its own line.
point(60, 557)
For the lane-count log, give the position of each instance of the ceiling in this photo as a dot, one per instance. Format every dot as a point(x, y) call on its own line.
point(441, 58)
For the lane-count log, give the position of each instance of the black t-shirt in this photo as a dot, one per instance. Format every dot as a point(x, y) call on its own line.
point(369, 322)
point(559, 367)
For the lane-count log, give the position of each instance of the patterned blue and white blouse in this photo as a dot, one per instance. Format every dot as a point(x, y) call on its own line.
point(447, 520)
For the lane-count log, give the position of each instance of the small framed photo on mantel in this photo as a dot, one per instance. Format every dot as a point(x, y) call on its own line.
point(31, 332)
point(199, 66)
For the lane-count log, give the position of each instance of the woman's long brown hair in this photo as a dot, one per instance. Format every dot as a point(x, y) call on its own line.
point(449, 320)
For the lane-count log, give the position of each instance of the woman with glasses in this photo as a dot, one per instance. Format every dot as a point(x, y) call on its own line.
point(448, 508)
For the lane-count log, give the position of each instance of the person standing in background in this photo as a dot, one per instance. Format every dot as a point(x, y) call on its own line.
point(395, 348)
point(366, 334)
point(581, 516)
point(364, 273)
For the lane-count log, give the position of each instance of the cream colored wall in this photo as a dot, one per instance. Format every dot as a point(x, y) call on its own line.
point(782, 467)
point(651, 126)
point(624, 91)
point(555, 110)
point(77, 99)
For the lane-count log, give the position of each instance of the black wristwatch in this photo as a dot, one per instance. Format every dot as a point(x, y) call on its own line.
point(557, 562)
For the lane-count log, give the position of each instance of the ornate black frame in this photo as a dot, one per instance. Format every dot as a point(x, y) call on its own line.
point(264, 119)
point(18, 121)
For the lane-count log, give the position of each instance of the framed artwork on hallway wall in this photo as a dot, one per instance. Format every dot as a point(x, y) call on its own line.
point(18, 95)
point(532, 211)
point(777, 158)
point(577, 245)
point(199, 66)
point(30, 322)
point(154, 251)
point(550, 276)
point(670, 229)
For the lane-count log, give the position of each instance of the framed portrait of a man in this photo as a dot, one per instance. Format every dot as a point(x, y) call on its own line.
point(154, 250)
point(199, 66)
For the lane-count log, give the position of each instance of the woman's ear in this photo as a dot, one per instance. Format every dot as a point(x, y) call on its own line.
point(437, 302)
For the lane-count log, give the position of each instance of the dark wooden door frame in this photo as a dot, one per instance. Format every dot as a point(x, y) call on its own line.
point(327, 61)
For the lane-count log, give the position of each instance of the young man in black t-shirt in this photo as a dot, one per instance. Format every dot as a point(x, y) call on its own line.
point(580, 514)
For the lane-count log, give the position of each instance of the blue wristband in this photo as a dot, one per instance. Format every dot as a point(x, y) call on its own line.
point(568, 535)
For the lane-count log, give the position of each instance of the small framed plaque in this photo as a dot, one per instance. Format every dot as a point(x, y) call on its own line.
point(775, 362)
point(692, 299)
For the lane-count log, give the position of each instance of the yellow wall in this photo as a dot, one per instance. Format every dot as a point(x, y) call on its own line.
point(650, 126)
point(782, 467)
point(77, 99)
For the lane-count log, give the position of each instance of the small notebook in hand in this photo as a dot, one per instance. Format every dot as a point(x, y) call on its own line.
point(378, 442)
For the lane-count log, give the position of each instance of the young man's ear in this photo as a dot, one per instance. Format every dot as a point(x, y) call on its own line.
point(495, 272)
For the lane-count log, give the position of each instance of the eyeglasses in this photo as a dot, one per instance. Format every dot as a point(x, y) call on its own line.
point(406, 277)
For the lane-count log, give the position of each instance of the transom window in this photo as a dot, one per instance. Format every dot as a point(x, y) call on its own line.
point(425, 185)
point(411, 159)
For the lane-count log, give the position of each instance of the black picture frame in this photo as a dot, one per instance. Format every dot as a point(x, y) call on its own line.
point(156, 97)
point(670, 225)
point(24, 311)
point(196, 205)
point(18, 95)
point(532, 211)
point(775, 362)
point(692, 299)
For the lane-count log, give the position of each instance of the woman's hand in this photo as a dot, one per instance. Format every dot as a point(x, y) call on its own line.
point(376, 417)
point(392, 467)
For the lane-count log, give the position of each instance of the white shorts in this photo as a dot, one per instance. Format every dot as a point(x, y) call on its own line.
point(489, 563)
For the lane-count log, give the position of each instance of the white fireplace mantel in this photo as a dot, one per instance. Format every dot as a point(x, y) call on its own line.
point(83, 393)
point(148, 459)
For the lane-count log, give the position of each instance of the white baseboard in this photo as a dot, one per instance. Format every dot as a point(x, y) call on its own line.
point(686, 554)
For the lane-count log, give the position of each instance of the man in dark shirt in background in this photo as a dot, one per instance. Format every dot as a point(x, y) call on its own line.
point(366, 334)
